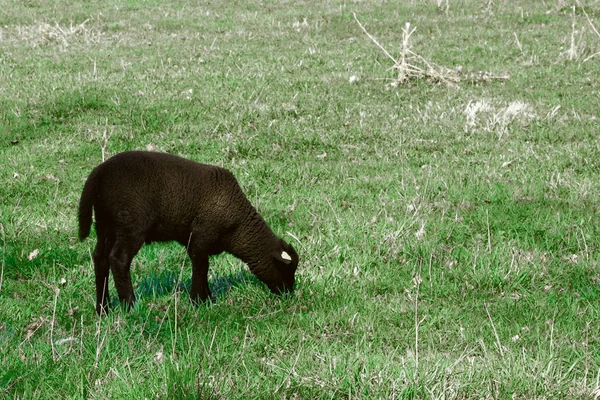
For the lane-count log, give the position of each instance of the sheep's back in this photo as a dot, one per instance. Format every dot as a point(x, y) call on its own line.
point(165, 195)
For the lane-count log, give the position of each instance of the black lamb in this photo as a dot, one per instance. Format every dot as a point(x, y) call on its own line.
point(149, 197)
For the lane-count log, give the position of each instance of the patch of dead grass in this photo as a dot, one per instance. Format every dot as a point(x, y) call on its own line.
point(45, 34)
point(486, 115)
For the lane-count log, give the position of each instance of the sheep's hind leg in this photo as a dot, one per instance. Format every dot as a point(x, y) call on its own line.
point(120, 258)
point(101, 270)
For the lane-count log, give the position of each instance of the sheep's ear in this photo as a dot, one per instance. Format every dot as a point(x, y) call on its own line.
point(285, 253)
point(284, 257)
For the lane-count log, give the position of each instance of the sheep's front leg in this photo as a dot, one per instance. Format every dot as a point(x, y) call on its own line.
point(200, 290)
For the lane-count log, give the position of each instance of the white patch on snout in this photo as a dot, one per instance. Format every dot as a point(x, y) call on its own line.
point(286, 256)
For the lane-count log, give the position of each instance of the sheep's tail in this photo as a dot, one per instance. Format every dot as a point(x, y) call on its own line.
point(86, 203)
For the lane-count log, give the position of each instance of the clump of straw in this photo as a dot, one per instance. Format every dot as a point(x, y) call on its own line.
point(410, 65)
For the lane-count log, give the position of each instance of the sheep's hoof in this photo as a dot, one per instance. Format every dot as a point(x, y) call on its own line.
point(198, 300)
point(127, 305)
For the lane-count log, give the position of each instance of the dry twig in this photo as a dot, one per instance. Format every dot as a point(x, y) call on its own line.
point(592, 26)
point(498, 343)
point(588, 18)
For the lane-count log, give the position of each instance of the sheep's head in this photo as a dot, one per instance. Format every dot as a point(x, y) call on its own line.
point(279, 275)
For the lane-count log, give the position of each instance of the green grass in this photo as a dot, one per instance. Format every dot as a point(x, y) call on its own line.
point(448, 236)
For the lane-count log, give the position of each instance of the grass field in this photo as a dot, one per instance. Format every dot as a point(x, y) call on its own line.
point(447, 223)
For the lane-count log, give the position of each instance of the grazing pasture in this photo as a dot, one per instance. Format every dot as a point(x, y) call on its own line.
point(435, 164)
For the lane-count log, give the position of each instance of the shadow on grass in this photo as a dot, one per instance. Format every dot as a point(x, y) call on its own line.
point(167, 282)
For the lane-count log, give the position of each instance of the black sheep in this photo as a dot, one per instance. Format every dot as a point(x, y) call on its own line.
point(149, 197)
